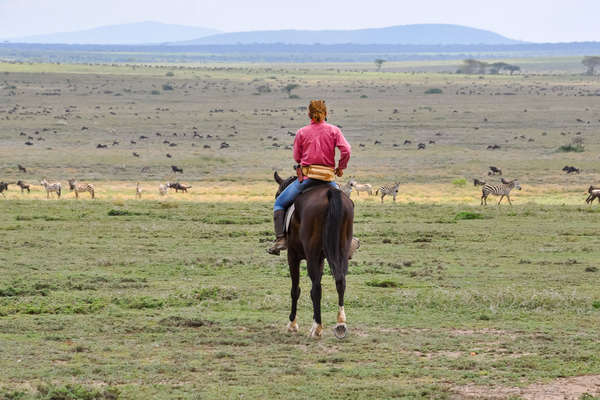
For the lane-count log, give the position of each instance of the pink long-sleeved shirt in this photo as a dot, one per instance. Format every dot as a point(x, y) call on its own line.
point(316, 143)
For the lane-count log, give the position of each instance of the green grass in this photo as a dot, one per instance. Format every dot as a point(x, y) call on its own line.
point(169, 302)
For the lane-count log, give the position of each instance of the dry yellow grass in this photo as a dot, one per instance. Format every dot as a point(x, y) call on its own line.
point(264, 192)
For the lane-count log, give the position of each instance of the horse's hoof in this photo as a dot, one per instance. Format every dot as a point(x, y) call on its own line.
point(292, 326)
point(340, 331)
point(316, 331)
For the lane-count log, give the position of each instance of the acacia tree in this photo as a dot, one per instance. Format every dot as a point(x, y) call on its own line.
point(289, 87)
point(379, 63)
point(591, 62)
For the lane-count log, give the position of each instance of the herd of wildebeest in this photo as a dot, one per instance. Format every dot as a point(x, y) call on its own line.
point(501, 189)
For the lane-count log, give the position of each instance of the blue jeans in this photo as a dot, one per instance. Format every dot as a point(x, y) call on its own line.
point(287, 197)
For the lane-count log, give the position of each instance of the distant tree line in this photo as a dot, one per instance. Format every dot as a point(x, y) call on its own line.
point(472, 66)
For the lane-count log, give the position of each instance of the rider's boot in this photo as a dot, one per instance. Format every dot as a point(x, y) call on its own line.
point(353, 247)
point(280, 243)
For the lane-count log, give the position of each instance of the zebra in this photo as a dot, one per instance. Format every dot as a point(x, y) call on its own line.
point(81, 187)
point(163, 189)
point(594, 193)
point(501, 189)
point(347, 188)
point(388, 189)
point(24, 186)
point(51, 187)
point(361, 187)
point(138, 191)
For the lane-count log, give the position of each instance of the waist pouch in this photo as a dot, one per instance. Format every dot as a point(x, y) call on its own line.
point(319, 172)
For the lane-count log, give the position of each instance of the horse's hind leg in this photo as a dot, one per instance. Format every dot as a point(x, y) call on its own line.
point(340, 328)
point(315, 271)
point(294, 263)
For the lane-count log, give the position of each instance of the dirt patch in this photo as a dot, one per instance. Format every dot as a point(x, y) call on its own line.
point(559, 389)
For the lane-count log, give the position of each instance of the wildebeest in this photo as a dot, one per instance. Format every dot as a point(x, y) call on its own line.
point(3, 187)
point(101, 146)
point(178, 186)
point(495, 171)
point(421, 146)
point(570, 169)
point(176, 169)
point(321, 227)
point(477, 182)
point(24, 186)
point(22, 168)
point(135, 154)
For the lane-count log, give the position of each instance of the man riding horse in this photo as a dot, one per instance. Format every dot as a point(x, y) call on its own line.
point(314, 151)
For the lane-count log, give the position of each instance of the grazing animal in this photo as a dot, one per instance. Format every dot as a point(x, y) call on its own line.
point(347, 188)
point(163, 189)
point(502, 189)
point(51, 187)
point(594, 193)
point(24, 186)
point(361, 187)
point(22, 168)
point(392, 190)
point(320, 228)
point(494, 171)
point(135, 154)
point(101, 146)
point(138, 191)
point(176, 169)
point(477, 182)
point(178, 186)
point(421, 146)
point(570, 169)
point(81, 187)
point(3, 187)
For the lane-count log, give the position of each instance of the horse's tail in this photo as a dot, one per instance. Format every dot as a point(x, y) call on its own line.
point(331, 233)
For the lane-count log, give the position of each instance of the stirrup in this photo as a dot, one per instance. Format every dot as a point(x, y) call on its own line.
point(280, 244)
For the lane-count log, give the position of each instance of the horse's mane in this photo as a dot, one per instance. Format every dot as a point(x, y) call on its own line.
point(284, 184)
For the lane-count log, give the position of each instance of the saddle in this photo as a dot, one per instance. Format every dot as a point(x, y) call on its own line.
point(289, 213)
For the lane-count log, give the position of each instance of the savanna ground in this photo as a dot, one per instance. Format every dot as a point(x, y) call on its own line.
point(175, 297)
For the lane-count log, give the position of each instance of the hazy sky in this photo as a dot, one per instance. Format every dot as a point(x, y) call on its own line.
point(530, 20)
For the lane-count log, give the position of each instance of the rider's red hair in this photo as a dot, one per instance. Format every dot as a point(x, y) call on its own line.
point(317, 110)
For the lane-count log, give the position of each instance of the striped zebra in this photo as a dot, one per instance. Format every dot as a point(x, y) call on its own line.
point(365, 187)
point(347, 188)
point(501, 189)
point(388, 189)
point(51, 187)
point(81, 187)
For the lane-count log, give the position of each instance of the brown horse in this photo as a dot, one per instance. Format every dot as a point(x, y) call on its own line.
point(320, 229)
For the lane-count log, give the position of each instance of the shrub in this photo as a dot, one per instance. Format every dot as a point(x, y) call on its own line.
point(570, 148)
point(170, 73)
point(166, 86)
point(385, 283)
point(155, 92)
point(434, 91)
point(468, 215)
point(459, 182)
point(363, 96)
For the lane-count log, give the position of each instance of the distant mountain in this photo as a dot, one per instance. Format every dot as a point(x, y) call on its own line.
point(421, 34)
point(135, 33)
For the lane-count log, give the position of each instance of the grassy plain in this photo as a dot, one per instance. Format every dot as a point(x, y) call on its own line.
point(176, 298)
